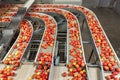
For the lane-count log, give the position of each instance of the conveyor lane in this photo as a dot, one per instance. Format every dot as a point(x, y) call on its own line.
point(47, 47)
point(13, 57)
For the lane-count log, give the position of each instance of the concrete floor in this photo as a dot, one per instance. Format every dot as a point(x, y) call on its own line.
point(110, 21)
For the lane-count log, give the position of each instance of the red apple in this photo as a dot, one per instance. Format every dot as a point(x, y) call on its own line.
point(117, 69)
point(106, 68)
point(64, 74)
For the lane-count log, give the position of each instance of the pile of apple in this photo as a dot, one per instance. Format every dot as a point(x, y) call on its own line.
point(7, 19)
point(8, 14)
point(7, 73)
point(43, 68)
point(44, 59)
point(8, 11)
point(21, 44)
point(48, 38)
point(13, 9)
point(8, 8)
point(4, 9)
point(76, 66)
point(12, 60)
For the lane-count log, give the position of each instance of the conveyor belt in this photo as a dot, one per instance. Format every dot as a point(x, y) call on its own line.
point(92, 21)
point(5, 19)
point(68, 16)
point(6, 10)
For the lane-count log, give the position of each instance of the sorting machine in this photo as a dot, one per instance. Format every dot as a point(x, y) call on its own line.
point(54, 42)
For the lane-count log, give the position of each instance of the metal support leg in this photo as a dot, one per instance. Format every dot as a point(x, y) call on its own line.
point(96, 60)
point(82, 25)
point(90, 55)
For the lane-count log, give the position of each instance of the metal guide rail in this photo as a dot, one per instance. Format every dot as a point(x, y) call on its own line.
point(61, 21)
point(69, 41)
point(20, 14)
point(93, 21)
point(14, 55)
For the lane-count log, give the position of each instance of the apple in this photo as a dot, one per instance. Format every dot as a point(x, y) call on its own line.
point(109, 65)
point(111, 68)
point(108, 77)
point(64, 74)
point(106, 68)
point(117, 69)
point(115, 73)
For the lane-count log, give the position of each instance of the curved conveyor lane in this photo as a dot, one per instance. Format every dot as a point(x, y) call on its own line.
point(14, 55)
point(46, 49)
